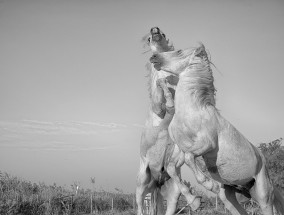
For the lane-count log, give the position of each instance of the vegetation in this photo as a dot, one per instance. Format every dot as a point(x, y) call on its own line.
point(18, 196)
point(21, 197)
point(274, 154)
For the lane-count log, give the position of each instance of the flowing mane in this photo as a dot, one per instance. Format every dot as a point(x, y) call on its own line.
point(198, 77)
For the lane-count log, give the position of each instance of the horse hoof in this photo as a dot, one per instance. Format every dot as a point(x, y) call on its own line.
point(195, 204)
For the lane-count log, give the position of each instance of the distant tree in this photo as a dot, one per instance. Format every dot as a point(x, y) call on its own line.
point(274, 154)
point(119, 190)
point(93, 181)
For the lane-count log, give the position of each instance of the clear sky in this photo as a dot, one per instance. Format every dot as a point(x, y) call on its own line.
point(73, 89)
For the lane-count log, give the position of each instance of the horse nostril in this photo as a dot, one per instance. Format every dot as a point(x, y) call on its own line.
point(155, 30)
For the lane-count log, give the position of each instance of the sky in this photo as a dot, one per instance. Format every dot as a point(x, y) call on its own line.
point(73, 85)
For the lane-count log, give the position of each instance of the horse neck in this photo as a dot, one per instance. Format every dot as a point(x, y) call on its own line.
point(154, 76)
point(195, 88)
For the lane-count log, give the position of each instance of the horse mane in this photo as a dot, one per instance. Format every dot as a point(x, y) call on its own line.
point(198, 75)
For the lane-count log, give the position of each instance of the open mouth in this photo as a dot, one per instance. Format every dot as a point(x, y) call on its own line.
point(156, 37)
point(153, 60)
point(157, 66)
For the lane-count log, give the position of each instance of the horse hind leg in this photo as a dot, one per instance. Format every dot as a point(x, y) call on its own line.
point(228, 196)
point(143, 180)
point(263, 191)
point(171, 193)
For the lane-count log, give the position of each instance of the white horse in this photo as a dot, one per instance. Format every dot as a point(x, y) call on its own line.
point(157, 151)
point(199, 130)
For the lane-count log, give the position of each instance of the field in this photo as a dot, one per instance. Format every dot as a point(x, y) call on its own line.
point(18, 196)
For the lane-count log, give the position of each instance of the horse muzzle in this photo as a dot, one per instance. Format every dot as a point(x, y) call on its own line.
point(156, 37)
point(156, 34)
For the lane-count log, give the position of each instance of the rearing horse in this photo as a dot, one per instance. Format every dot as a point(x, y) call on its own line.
point(199, 130)
point(157, 151)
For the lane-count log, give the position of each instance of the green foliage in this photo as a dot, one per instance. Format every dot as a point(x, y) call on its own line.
point(21, 197)
point(102, 204)
point(122, 204)
point(274, 154)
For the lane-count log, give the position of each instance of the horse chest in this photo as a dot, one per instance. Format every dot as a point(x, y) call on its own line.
point(181, 134)
point(190, 132)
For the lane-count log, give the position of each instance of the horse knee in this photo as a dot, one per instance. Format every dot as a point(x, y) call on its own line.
point(171, 170)
point(201, 178)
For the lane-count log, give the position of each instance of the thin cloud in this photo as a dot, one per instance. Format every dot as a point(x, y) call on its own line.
point(55, 146)
point(60, 135)
point(58, 127)
point(138, 125)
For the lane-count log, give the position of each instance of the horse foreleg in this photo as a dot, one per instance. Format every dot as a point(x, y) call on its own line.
point(228, 196)
point(162, 82)
point(143, 180)
point(173, 167)
point(171, 193)
point(201, 178)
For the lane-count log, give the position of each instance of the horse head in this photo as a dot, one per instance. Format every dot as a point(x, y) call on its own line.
point(156, 40)
point(176, 62)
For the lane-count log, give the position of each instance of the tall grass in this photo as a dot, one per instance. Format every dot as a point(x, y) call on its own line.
point(18, 196)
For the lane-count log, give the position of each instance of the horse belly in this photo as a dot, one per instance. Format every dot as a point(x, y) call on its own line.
point(231, 171)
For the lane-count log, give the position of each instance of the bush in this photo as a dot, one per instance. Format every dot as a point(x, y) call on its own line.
point(274, 154)
point(102, 205)
point(121, 204)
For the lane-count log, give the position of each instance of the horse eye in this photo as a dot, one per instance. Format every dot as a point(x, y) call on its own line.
point(164, 35)
point(149, 40)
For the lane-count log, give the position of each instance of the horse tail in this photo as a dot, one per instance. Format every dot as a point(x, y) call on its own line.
point(278, 202)
point(157, 202)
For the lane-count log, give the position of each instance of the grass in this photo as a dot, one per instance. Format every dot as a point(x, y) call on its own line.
point(18, 196)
